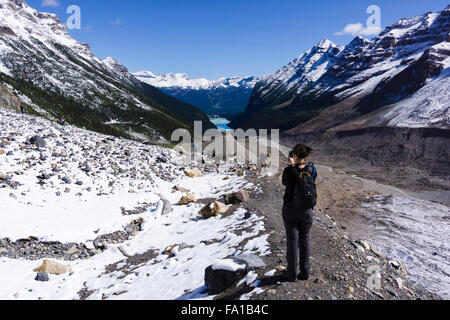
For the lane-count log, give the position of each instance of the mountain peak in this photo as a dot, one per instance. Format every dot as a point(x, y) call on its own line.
point(115, 65)
point(144, 74)
point(326, 44)
point(29, 24)
point(358, 41)
point(322, 48)
point(110, 60)
point(119, 70)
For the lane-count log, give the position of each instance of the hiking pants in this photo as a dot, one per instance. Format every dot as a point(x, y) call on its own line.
point(297, 237)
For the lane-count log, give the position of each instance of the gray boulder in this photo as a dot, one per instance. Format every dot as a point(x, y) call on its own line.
point(41, 276)
point(237, 197)
point(99, 245)
point(66, 180)
point(162, 159)
point(44, 176)
point(167, 206)
point(252, 262)
point(87, 169)
point(38, 142)
point(217, 281)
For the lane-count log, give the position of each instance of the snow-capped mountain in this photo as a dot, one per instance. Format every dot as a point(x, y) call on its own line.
point(182, 80)
point(406, 65)
point(120, 71)
point(54, 75)
point(292, 79)
point(224, 96)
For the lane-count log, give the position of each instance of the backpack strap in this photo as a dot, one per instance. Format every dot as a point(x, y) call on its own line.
point(304, 173)
point(314, 170)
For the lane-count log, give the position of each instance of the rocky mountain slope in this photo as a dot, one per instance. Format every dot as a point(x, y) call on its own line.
point(54, 75)
point(222, 97)
point(117, 219)
point(279, 89)
point(397, 79)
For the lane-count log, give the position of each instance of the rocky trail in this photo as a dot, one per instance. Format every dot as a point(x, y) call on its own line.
point(343, 266)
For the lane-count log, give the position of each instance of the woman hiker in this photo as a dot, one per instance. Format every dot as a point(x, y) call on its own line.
point(298, 223)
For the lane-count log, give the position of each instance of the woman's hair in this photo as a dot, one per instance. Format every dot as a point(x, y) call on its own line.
point(302, 151)
point(291, 154)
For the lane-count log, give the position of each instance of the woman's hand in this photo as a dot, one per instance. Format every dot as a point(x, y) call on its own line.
point(291, 162)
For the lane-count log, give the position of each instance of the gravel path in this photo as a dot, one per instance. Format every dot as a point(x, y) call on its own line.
point(343, 267)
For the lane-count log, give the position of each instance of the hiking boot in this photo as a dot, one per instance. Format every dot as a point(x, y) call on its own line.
point(285, 277)
point(302, 277)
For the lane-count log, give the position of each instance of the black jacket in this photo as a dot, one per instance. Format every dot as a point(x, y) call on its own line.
point(290, 177)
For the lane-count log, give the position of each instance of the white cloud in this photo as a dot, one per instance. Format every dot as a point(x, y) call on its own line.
point(50, 3)
point(357, 29)
point(116, 22)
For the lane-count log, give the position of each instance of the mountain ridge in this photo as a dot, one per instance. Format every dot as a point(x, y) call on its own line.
point(381, 72)
point(223, 96)
point(63, 77)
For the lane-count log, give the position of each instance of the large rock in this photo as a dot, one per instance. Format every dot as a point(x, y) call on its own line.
point(162, 159)
point(188, 198)
point(376, 252)
point(167, 206)
point(252, 262)
point(38, 142)
point(52, 267)
point(41, 276)
point(193, 173)
point(213, 209)
point(223, 275)
point(237, 197)
point(66, 180)
point(227, 272)
point(180, 189)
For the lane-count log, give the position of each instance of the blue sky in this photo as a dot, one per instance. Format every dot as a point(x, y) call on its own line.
point(213, 39)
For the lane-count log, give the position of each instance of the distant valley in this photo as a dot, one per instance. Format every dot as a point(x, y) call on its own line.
point(226, 96)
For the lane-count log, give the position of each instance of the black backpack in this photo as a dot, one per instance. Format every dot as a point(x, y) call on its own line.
point(305, 192)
